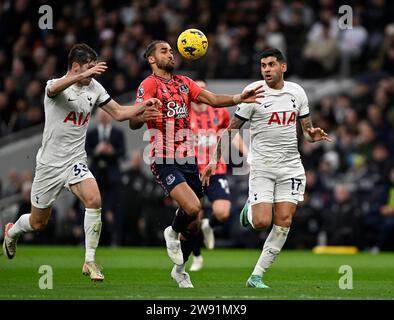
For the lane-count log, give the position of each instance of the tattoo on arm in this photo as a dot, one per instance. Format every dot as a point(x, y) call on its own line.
point(306, 123)
point(235, 124)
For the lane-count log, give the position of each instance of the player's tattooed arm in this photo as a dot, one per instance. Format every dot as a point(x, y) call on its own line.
point(227, 136)
point(310, 133)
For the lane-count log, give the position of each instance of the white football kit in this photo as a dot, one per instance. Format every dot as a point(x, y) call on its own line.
point(61, 160)
point(276, 170)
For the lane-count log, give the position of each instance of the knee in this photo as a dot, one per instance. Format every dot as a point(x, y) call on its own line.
point(261, 222)
point(193, 209)
point(93, 202)
point(284, 221)
point(38, 224)
point(221, 214)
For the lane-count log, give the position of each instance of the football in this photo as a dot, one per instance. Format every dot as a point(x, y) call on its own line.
point(192, 44)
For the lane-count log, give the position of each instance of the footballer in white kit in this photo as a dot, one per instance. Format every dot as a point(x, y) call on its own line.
point(61, 160)
point(277, 176)
point(276, 170)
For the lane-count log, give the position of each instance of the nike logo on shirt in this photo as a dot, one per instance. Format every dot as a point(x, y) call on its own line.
point(268, 105)
point(69, 99)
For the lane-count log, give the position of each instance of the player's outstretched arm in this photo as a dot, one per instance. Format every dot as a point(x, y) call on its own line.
point(63, 83)
point(224, 100)
point(313, 134)
point(210, 169)
point(148, 110)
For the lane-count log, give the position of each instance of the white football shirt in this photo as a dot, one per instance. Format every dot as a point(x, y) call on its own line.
point(67, 117)
point(273, 125)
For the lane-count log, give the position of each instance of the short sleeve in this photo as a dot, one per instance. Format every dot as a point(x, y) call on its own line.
point(146, 90)
point(194, 89)
point(304, 105)
point(102, 95)
point(245, 111)
point(49, 83)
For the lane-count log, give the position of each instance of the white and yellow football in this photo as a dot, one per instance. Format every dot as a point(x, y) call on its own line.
point(192, 44)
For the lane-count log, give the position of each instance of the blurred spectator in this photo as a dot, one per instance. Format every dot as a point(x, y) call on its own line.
point(386, 229)
point(365, 139)
point(105, 146)
point(134, 182)
point(275, 37)
point(298, 7)
point(305, 226)
point(19, 119)
point(379, 164)
point(385, 58)
point(234, 64)
point(321, 51)
point(13, 185)
point(342, 219)
point(5, 113)
point(352, 44)
point(295, 33)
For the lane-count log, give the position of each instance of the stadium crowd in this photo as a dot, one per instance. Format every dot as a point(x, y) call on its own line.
point(350, 182)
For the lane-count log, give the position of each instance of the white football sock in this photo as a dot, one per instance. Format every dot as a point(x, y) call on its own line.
point(92, 226)
point(272, 246)
point(180, 268)
point(20, 227)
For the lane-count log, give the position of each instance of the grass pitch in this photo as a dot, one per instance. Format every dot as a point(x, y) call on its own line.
point(144, 273)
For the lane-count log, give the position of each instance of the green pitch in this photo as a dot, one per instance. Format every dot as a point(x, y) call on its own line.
point(141, 273)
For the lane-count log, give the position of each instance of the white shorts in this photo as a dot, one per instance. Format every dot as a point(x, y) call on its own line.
point(49, 181)
point(277, 185)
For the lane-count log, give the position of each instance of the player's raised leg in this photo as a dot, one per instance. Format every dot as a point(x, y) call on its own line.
point(188, 240)
point(259, 216)
point(88, 192)
point(181, 236)
point(284, 212)
point(189, 207)
point(34, 221)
